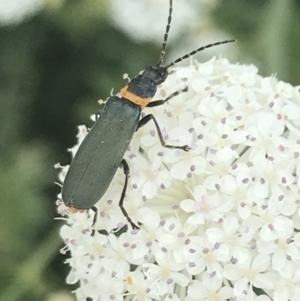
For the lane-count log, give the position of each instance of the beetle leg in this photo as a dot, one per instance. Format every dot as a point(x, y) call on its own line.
point(94, 208)
point(121, 202)
point(97, 115)
point(149, 117)
point(157, 103)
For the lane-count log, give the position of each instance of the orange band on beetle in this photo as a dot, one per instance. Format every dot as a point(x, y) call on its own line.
point(142, 102)
point(75, 210)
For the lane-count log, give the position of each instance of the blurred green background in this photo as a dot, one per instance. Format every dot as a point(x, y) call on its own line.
point(56, 62)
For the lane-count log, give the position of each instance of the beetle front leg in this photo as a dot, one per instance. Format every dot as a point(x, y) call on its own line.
point(157, 103)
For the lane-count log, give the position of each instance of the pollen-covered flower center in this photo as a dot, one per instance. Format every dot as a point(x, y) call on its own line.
point(213, 296)
point(249, 273)
point(217, 117)
point(267, 218)
point(202, 205)
point(240, 195)
point(151, 174)
point(281, 244)
point(222, 169)
point(99, 249)
point(178, 110)
point(209, 258)
point(266, 143)
point(165, 272)
point(271, 177)
point(232, 240)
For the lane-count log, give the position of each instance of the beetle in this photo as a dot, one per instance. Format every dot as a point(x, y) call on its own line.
point(101, 153)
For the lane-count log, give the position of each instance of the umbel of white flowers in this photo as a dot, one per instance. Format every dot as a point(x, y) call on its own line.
point(216, 221)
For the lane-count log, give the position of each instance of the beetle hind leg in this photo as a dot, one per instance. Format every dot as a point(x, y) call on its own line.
point(121, 202)
point(95, 218)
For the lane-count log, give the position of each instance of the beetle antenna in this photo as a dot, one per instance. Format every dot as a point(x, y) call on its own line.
point(197, 50)
point(164, 45)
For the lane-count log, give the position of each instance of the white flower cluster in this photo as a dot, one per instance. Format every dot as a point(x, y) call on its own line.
point(16, 11)
point(219, 222)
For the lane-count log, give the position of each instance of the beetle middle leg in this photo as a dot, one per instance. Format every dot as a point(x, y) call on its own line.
point(121, 202)
point(149, 117)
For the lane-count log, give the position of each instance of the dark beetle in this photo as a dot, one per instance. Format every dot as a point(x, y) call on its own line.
point(102, 151)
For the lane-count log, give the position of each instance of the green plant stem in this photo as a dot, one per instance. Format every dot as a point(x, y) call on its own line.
point(275, 35)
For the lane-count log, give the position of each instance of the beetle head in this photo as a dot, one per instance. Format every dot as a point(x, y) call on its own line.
point(145, 84)
point(155, 75)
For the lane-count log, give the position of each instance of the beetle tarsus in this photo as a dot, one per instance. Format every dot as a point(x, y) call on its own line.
point(186, 148)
